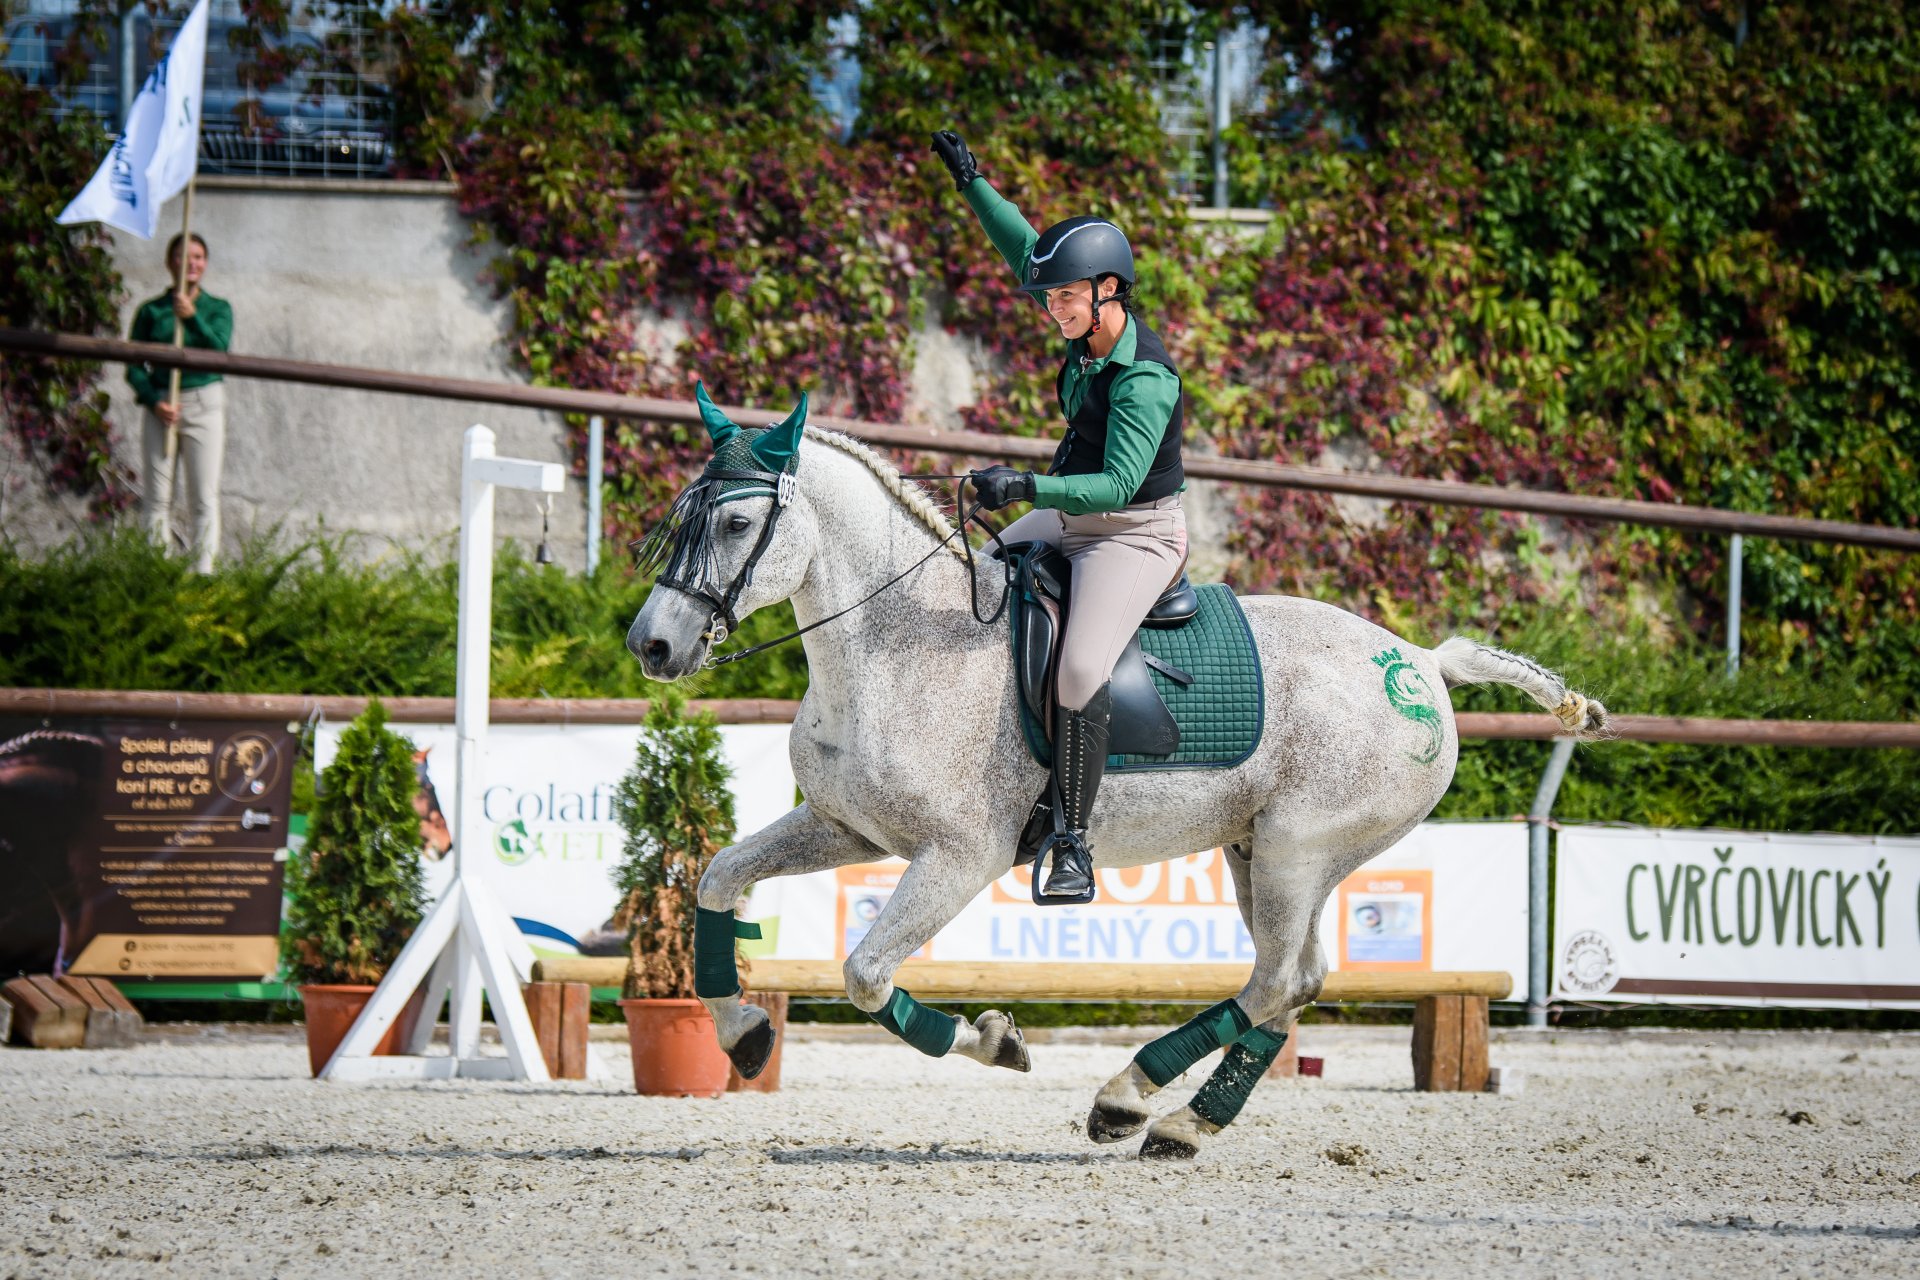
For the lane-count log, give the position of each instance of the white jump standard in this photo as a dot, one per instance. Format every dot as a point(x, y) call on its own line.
point(467, 945)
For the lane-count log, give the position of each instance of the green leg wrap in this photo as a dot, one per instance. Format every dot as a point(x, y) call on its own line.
point(1174, 1052)
point(714, 974)
point(928, 1030)
point(1225, 1092)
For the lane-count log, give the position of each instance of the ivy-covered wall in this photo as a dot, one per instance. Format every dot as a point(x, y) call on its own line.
point(1665, 250)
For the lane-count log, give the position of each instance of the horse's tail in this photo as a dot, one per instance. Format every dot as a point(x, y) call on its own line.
point(1464, 661)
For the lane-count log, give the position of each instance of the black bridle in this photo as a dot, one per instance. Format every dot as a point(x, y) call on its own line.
point(684, 540)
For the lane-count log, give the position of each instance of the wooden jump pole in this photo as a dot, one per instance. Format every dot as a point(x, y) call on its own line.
point(1002, 980)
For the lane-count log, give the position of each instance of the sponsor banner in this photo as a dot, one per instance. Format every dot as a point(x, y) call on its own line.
point(142, 848)
point(1737, 917)
point(550, 844)
point(1449, 896)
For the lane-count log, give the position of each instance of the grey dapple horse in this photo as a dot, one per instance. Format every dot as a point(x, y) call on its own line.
point(908, 743)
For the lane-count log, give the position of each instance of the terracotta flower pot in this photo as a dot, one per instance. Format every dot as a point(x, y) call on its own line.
point(675, 1048)
point(332, 1009)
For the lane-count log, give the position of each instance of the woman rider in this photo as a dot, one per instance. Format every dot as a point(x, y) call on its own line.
point(1111, 499)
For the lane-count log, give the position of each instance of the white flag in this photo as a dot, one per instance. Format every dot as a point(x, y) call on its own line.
point(159, 148)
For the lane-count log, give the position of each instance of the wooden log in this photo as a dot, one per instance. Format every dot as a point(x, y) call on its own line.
point(1436, 1044)
point(105, 1029)
point(6, 1022)
point(987, 980)
point(543, 1007)
point(1450, 1044)
point(1473, 1044)
point(576, 1013)
point(45, 1014)
point(133, 1024)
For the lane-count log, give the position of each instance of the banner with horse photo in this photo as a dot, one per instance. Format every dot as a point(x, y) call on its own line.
point(1737, 917)
point(142, 848)
point(1447, 896)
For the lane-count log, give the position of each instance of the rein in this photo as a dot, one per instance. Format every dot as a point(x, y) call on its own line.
point(684, 574)
point(973, 580)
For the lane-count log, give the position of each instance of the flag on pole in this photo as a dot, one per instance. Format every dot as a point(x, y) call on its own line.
point(159, 148)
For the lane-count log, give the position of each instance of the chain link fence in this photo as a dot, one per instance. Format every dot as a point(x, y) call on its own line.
point(312, 102)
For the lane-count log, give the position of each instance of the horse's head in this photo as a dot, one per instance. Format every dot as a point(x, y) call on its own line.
point(736, 540)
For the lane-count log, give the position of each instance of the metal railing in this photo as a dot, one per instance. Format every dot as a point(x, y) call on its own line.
point(966, 443)
point(1478, 725)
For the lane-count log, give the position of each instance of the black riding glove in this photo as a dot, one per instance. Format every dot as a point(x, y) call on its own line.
point(999, 485)
point(954, 154)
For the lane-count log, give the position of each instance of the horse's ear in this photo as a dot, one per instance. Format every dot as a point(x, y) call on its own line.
point(777, 445)
point(719, 426)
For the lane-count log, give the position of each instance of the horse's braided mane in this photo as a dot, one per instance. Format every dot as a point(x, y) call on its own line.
point(910, 495)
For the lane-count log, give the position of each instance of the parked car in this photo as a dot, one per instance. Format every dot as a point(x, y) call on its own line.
point(314, 121)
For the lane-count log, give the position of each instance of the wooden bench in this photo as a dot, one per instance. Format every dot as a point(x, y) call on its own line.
point(1449, 1022)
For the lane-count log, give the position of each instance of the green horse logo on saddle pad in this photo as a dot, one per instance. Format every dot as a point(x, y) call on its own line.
point(1407, 690)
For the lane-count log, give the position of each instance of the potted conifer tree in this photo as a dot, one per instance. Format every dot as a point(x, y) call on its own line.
point(355, 892)
point(677, 813)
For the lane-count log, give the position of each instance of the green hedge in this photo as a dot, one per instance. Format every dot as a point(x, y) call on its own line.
point(113, 612)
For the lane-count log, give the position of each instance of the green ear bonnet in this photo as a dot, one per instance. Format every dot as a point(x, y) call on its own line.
point(757, 463)
point(773, 452)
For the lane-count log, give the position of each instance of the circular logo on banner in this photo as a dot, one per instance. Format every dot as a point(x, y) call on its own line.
point(247, 765)
point(510, 842)
point(1590, 966)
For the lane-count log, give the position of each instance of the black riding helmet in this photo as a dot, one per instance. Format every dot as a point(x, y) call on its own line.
point(1078, 249)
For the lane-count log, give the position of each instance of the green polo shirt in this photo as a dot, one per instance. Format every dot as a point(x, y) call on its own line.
point(1140, 400)
point(210, 329)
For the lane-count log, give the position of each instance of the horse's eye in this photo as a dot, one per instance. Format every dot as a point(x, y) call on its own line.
point(739, 524)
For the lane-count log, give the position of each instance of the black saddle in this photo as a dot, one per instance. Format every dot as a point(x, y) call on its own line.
point(1142, 725)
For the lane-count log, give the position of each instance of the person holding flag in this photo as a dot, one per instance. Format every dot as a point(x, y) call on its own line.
point(194, 413)
point(153, 160)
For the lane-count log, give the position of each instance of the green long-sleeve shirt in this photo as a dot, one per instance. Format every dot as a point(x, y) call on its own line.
point(1140, 400)
point(210, 329)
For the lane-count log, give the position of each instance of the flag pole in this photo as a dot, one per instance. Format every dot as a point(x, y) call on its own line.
point(179, 325)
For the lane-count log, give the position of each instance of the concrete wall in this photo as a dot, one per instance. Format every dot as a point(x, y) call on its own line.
point(381, 274)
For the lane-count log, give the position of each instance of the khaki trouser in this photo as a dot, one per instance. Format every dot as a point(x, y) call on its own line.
point(203, 446)
point(1122, 562)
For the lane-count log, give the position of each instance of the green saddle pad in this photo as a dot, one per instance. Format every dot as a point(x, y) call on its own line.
point(1220, 714)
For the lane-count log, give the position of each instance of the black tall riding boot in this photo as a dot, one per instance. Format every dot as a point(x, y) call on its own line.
point(1079, 762)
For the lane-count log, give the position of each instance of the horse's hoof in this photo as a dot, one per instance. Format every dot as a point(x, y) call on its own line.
point(750, 1052)
point(1177, 1137)
point(1001, 1044)
point(1115, 1124)
point(1165, 1147)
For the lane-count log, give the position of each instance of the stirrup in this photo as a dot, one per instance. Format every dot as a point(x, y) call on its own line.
point(1070, 844)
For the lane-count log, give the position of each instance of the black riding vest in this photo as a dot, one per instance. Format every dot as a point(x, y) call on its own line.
point(1084, 451)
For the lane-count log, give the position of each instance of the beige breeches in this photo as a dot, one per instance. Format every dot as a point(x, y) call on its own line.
point(203, 446)
point(1122, 562)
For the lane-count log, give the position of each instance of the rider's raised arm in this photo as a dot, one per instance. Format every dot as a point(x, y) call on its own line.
point(1006, 226)
point(1140, 404)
